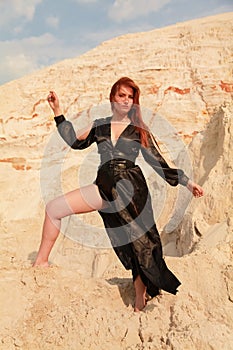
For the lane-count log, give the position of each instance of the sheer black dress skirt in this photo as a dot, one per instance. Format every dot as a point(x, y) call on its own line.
point(130, 225)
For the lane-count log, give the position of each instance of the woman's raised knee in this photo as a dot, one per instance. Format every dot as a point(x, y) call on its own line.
point(58, 208)
point(51, 209)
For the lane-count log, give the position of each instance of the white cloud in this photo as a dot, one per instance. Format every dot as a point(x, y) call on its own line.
point(22, 57)
point(18, 65)
point(128, 9)
point(52, 21)
point(17, 29)
point(12, 9)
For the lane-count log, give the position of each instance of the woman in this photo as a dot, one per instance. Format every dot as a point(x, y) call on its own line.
point(120, 193)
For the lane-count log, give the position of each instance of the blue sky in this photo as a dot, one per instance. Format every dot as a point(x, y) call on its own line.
point(38, 33)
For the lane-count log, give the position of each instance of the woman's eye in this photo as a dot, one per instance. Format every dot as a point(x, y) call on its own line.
point(121, 95)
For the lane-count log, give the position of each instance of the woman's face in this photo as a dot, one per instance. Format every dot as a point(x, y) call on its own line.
point(123, 99)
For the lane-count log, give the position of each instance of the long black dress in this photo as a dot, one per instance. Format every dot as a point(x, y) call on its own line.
point(128, 218)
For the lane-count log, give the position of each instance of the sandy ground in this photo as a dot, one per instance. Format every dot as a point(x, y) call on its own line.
point(64, 307)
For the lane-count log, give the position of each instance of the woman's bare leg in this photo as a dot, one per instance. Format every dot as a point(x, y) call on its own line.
point(140, 290)
point(79, 201)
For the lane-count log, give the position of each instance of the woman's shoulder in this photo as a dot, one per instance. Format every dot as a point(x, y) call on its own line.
point(102, 121)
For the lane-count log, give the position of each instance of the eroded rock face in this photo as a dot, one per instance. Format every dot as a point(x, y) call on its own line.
point(185, 75)
point(212, 154)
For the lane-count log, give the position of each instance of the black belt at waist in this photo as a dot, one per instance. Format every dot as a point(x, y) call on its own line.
point(118, 164)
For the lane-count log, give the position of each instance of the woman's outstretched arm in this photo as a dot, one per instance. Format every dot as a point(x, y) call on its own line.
point(84, 138)
point(172, 175)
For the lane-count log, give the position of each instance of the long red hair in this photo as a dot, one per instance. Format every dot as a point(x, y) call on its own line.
point(135, 114)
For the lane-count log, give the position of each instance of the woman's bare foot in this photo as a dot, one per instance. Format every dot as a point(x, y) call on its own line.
point(140, 290)
point(140, 303)
point(40, 264)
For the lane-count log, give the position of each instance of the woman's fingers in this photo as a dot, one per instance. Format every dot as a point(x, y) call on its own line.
point(53, 102)
point(53, 99)
point(51, 96)
point(196, 190)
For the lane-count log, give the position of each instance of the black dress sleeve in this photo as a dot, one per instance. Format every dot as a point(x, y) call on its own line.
point(157, 162)
point(66, 130)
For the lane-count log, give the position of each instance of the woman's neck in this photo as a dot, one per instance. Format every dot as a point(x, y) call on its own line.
point(116, 117)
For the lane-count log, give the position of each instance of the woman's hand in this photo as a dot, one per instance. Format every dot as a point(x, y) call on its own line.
point(54, 103)
point(196, 190)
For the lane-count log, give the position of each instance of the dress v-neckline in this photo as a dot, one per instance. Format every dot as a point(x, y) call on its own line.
point(114, 142)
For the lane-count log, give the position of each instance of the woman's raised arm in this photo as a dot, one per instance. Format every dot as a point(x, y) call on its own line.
point(84, 138)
